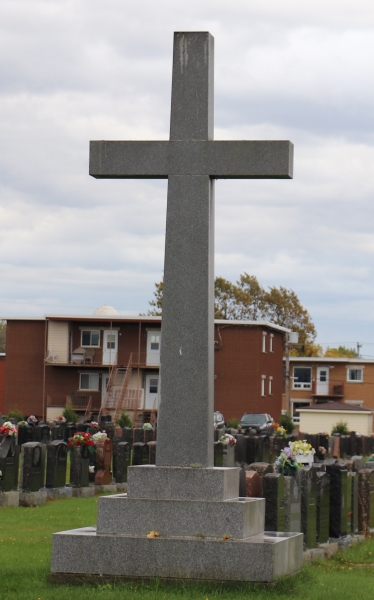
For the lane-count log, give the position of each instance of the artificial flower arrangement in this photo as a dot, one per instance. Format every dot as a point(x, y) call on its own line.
point(147, 426)
point(322, 450)
point(81, 440)
point(100, 435)
point(228, 439)
point(32, 420)
point(286, 464)
point(371, 458)
point(280, 431)
point(22, 424)
point(94, 424)
point(60, 419)
point(301, 448)
point(8, 429)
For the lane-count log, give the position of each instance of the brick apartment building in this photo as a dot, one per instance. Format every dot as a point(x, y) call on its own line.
point(315, 380)
point(102, 358)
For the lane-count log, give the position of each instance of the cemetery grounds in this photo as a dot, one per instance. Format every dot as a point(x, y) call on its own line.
point(25, 554)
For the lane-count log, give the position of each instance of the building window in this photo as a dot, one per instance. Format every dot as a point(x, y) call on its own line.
point(89, 381)
point(302, 378)
point(263, 378)
point(270, 386)
point(355, 374)
point(271, 345)
point(264, 334)
point(90, 337)
point(298, 404)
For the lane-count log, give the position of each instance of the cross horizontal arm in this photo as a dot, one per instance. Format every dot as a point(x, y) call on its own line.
point(218, 159)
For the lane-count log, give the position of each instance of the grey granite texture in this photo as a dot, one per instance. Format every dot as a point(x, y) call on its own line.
point(313, 554)
point(369, 464)
point(187, 349)
point(9, 498)
point(121, 488)
point(178, 483)
point(83, 492)
point(110, 488)
point(259, 558)
point(59, 492)
point(292, 504)
point(33, 498)
point(329, 549)
point(237, 519)
point(218, 159)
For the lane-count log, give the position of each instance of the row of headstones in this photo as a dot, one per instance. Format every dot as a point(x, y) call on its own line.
point(324, 501)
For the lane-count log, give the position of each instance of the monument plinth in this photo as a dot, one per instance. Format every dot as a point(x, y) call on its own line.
point(204, 530)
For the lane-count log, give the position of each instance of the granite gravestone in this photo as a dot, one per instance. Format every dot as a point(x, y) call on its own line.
point(339, 500)
point(79, 466)
point(32, 467)
point(323, 507)
point(307, 476)
point(352, 509)
point(292, 503)
point(366, 500)
point(122, 461)
point(57, 454)
point(273, 492)
point(184, 491)
point(103, 462)
point(9, 460)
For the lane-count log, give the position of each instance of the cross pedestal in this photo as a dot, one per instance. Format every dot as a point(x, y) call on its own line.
point(206, 531)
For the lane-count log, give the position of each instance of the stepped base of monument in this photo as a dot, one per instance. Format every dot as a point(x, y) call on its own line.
point(263, 558)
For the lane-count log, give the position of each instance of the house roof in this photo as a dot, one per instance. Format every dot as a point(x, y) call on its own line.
point(339, 406)
point(328, 360)
point(143, 318)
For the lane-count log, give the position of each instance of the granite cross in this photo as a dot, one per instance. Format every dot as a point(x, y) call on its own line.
point(191, 161)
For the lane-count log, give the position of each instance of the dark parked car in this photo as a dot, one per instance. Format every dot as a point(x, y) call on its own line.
point(261, 422)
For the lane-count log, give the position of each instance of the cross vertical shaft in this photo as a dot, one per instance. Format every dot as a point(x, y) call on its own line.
point(185, 425)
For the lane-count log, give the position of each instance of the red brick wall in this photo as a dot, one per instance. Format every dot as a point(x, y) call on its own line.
point(239, 366)
point(2, 383)
point(24, 367)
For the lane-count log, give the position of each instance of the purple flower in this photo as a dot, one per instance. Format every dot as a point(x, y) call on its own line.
point(287, 452)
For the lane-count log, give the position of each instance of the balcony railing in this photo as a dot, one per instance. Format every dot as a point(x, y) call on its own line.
point(332, 389)
point(94, 357)
point(79, 402)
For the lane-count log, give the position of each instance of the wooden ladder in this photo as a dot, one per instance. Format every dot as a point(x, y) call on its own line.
point(121, 396)
point(107, 404)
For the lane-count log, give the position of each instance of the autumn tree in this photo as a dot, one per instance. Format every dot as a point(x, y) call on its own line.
point(341, 352)
point(248, 300)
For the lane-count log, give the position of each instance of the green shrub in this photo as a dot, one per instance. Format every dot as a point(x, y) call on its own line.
point(15, 414)
point(233, 423)
point(70, 414)
point(124, 420)
point(340, 427)
point(287, 422)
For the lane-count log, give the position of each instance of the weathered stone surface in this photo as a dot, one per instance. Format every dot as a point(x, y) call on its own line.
point(180, 483)
point(253, 484)
point(33, 498)
point(273, 492)
point(236, 518)
point(262, 468)
point(292, 504)
point(106, 489)
point(83, 492)
point(59, 492)
point(9, 498)
point(258, 558)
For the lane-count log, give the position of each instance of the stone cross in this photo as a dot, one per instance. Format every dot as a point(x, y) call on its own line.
point(191, 161)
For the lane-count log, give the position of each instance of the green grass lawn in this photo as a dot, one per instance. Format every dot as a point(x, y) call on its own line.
point(25, 548)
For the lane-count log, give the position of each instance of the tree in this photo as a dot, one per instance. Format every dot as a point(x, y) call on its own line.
point(341, 352)
point(247, 299)
point(2, 335)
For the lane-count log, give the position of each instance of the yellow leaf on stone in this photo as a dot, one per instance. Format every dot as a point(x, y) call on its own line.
point(225, 537)
point(153, 534)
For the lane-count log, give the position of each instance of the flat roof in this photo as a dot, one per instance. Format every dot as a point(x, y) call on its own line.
point(336, 406)
point(143, 318)
point(329, 359)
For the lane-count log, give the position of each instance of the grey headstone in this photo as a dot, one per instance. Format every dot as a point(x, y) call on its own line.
point(307, 476)
point(9, 461)
point(57, 452)
point(273, 492)
point(123, 451)
point(32, 467)
point(292, 504)
point(339, 500)
point(79, 467)
point(323, 507)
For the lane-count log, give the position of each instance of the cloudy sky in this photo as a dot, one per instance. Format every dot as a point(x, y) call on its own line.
point(75, 70)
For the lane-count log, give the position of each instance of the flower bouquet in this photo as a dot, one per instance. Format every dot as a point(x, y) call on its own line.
point(286, 464)
point(8, 429)
point(371, 458)
point(94, 425)
point(302, 451)
point(147, 426)
point(228, 439)
point(22, 424)
point(60, 419)
point(81, 440)
point(100, 435)
point(32, 420)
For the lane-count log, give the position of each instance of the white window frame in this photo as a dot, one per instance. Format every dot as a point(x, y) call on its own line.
point(301, 385)
point(263, 380)
point(355, 368)
point(91, 331)
point(264, 335)
point(270, 386)
point(271, 343)
point(91, 378)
